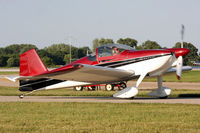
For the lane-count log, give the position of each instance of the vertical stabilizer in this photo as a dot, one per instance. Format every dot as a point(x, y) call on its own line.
point(31, 64)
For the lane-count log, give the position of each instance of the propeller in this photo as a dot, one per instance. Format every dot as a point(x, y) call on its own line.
point(179, 67)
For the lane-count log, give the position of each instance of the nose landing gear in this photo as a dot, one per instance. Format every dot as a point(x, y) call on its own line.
point(161, 92)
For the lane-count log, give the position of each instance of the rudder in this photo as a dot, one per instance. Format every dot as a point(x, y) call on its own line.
point(31, 64)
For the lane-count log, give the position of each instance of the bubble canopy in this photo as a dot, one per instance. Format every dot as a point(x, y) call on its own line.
point(120, 46)
point(108, 50)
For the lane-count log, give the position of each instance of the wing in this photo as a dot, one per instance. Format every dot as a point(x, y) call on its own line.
point(89, 73)
point(83, 73)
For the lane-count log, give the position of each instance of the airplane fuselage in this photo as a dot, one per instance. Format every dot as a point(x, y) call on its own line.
point(153, 62)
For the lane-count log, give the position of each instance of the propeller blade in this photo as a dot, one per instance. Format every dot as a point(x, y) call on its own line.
point(179, 67)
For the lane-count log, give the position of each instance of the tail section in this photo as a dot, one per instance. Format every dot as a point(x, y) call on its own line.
point(31, 64)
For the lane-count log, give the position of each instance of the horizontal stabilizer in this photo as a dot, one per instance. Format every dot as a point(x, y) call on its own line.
point(17, 78)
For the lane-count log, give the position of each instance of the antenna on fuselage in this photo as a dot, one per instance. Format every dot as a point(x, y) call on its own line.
point(182, 34)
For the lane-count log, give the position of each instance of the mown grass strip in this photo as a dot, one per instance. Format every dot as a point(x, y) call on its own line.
point(9, 73)
point(98, 117)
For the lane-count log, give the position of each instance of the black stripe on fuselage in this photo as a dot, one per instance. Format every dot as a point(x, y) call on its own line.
point(130, 61)
point(31, 85)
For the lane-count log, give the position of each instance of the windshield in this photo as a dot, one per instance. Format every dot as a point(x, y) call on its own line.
point(104, 51)
point(112, 49)
point(92, 57)
point(120, 46)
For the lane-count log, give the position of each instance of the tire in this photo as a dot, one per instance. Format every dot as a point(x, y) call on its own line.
point(163, 97)
point(109, 87)
point(78, 88)
point(122, 85)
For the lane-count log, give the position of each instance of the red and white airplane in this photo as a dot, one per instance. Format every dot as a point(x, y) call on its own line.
point(110, 64)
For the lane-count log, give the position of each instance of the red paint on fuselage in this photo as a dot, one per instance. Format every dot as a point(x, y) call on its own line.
point(179, 51)
point(146, 53)
point(83, 60)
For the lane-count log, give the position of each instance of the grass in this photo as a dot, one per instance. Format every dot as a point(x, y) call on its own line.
point(9, 73)
point(13, 91)
point(189, 76)
point(98, 117)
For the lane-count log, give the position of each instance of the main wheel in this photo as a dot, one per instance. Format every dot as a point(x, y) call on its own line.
point(163, 97)
point(78, 88)
point(122, 85)
point(109, 87)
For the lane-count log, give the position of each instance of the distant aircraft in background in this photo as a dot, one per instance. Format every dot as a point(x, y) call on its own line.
point(196, 63)
point(110, 64)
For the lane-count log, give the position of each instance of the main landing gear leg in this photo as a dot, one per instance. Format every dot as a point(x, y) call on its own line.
point(161, 92)
point(130, 92)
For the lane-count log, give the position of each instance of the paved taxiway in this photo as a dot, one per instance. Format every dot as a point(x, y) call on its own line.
point(98, 99)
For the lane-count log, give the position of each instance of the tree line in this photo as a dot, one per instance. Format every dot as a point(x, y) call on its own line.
point(59, 54)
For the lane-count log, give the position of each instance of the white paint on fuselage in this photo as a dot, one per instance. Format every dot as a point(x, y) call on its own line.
point(151, 65)
point(66, 84)
point(168, 64)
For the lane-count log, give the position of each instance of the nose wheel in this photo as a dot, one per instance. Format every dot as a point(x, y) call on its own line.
point(161, 92)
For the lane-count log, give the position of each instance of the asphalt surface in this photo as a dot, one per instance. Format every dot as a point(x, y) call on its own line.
point(92, 99)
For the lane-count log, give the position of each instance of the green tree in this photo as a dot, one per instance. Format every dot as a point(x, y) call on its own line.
point(12, 62)
point(192, 55)
point(83, 51)
point(128, 41)
point(43, 53)
point(149, 45)
point(96, 42)
point(57, 52)
point(74, 52)
point(104, 41)
point(61, 47)
point(67, 58)
point(47, 61)
point(3, 60)
point(2, 51)
point(17, 49)
point(26, 47)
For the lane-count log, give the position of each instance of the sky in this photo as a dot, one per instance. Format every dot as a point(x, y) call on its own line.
point(47, 22)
